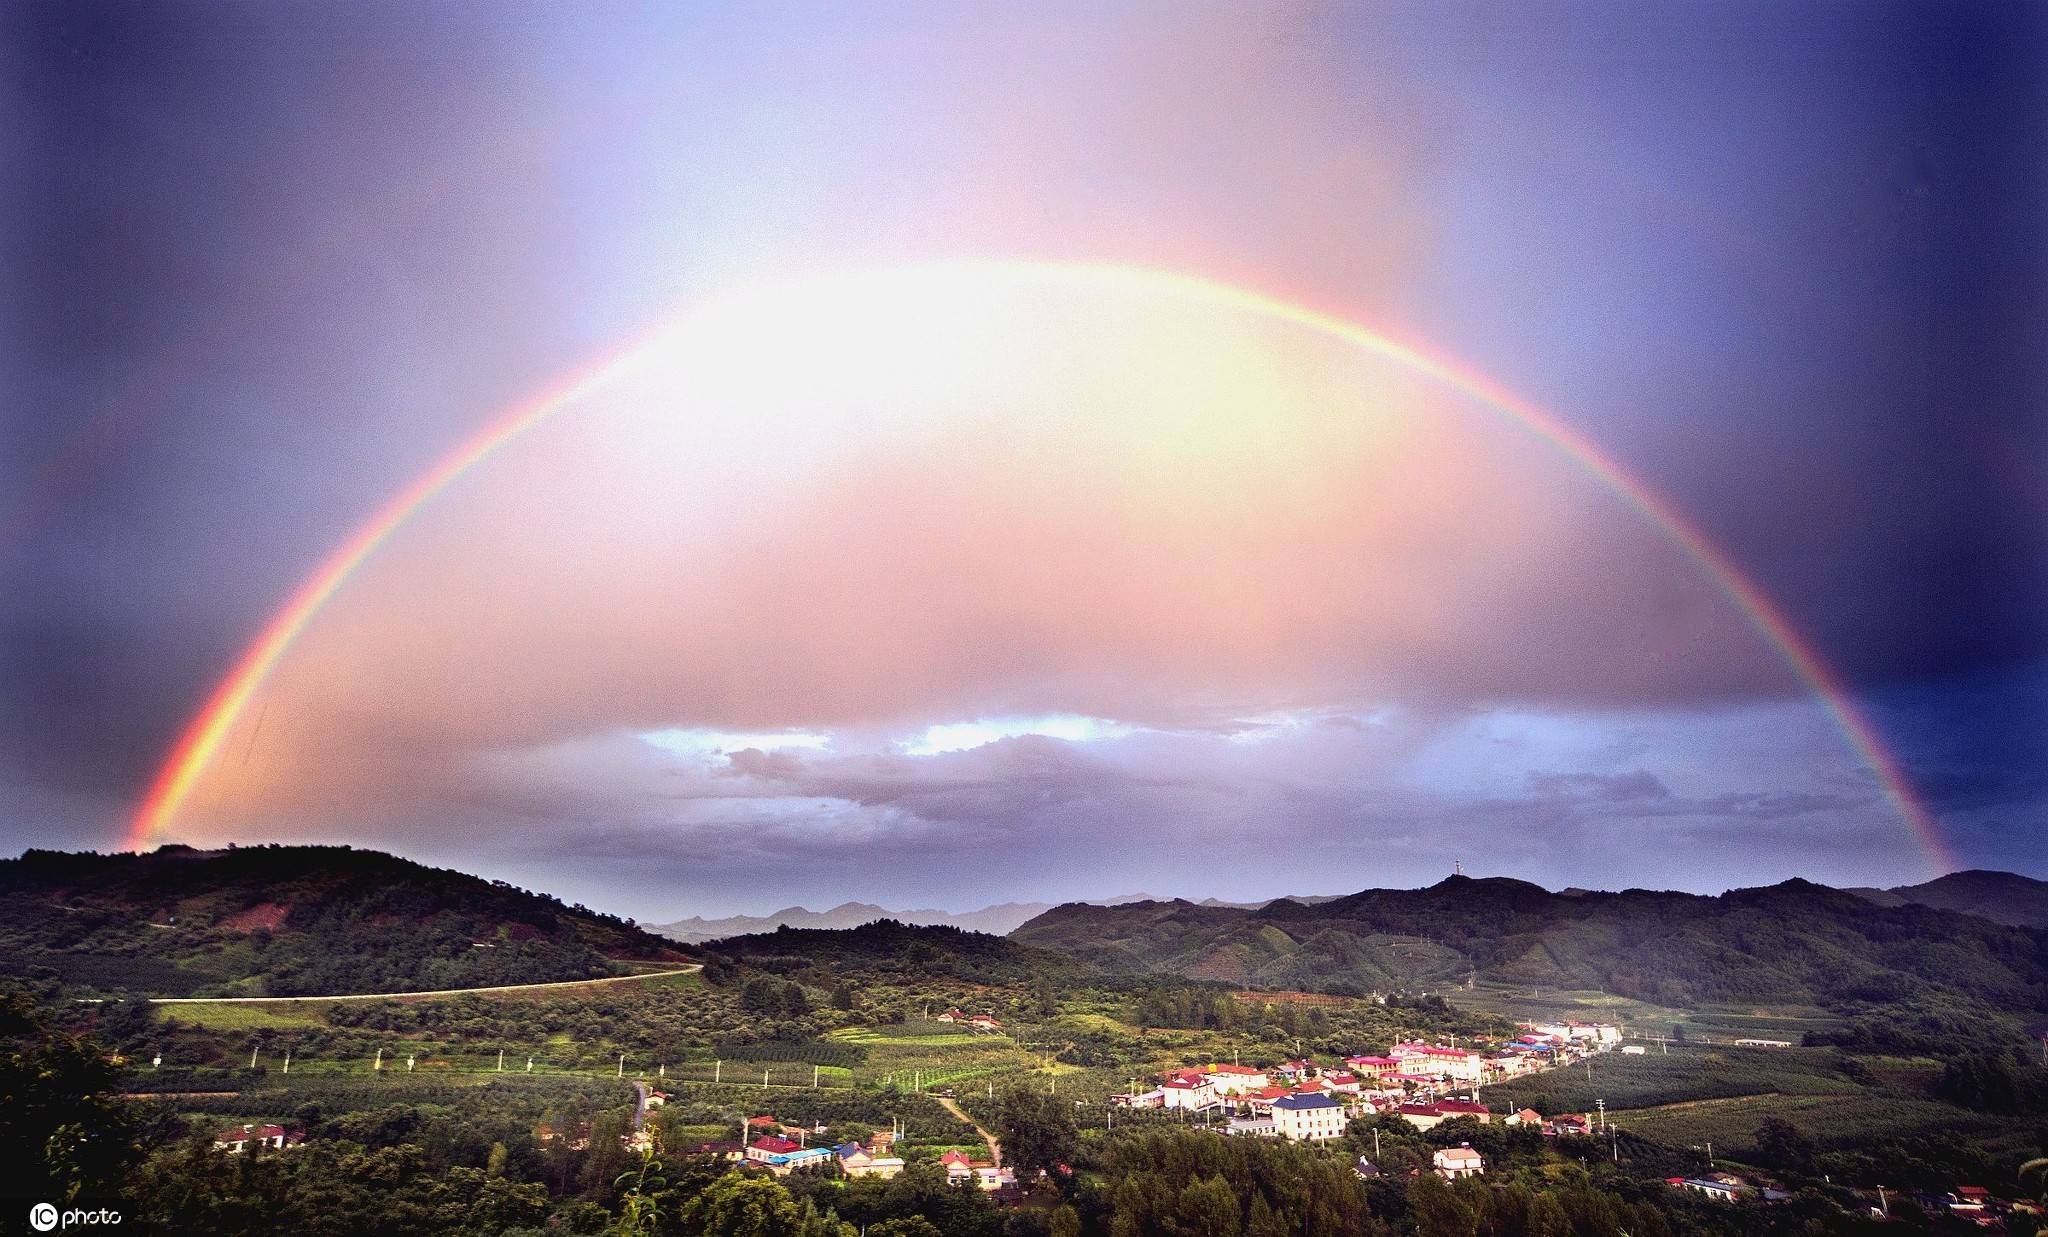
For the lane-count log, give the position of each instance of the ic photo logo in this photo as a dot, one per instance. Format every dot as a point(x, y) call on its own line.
point(45, 1218)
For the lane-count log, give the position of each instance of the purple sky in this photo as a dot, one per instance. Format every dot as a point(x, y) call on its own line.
point(958, 597)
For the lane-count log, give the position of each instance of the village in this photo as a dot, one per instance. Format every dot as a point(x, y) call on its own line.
point(1300, 1100)
point(1422, 1083)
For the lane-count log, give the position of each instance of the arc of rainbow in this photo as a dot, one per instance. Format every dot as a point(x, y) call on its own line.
point(204, 735)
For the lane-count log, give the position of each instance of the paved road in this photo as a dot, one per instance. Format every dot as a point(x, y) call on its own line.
point(386, 996)
point(995, 1150)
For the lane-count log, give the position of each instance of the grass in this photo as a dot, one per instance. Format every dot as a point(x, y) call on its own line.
point(1705, 1023)
point(231, 1017)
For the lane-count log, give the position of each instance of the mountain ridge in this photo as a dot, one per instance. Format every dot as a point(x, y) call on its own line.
point(1000, 919)
point(1793, 942)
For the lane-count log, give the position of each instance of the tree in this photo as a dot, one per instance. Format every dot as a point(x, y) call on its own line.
point(63, 1134)
point(909, 1226)
point(1780, 1144)
point(1036, 1131)
point(1439, 1212)
point(737, 1205)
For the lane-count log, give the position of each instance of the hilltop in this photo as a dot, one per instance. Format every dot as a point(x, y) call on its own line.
point(291, 920)
point(2002, 897)
point(1795, 942)
point(918, 952)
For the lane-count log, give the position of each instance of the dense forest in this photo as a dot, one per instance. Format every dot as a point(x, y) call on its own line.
point(290, 920)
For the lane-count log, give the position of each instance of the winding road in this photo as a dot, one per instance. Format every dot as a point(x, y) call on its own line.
point(691, 969)
point(995, 1150)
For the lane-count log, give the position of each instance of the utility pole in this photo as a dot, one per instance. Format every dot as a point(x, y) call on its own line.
point(1375, 1144)
point(379, 1064)
point(764, 1075)
point(529, 1065)
point(622, 1065)
point(501, 1060)
point(717, 1070)
point(252, 1058)
point(814, 1078)
point(411, 1061)
point(287, 1060)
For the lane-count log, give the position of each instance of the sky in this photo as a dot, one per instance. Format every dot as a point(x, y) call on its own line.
point(949, 532)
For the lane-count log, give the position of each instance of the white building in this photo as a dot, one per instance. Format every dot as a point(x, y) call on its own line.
point(1455, 1162)
point(1235, 1079)
point(1188, 1093)
point(1463, 1064)
point(1308, 1118)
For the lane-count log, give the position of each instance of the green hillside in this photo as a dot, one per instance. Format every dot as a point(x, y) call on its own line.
point(1794, 944)
point(288, 921)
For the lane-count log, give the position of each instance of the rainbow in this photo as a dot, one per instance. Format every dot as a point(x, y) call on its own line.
point(203, 737)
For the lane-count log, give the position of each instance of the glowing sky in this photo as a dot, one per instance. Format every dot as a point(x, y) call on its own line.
point(965, 591)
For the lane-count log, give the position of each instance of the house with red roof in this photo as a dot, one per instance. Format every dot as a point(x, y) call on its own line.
point(959, 1167)
point(1421, 1116)
point(1460, 1063)
point(1465, 1108)
point(1191, 1093)
point(1235, 1079)
point(782, 1156)
point(238, 1139)
point(1372, 1067)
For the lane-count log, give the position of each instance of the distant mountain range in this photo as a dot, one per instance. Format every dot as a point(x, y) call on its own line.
point(998, 920)
point(1792, 943)
point(2001, 897)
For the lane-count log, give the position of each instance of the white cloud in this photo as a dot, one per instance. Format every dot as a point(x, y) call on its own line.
point(965, 736)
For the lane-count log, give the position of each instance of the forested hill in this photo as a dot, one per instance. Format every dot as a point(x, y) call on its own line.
point(289, 921)
point(1792, 943)
point(888, 948)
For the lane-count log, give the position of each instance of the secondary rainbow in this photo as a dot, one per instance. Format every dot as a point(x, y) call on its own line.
point(203, 737)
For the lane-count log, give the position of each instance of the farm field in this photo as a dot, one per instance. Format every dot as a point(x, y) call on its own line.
point(1836, 1120)
point(1641, 1018)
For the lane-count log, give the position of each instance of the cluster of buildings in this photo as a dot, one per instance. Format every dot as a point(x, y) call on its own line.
point(980, 1022)
point(1422, 1082)
point(782, 1149)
